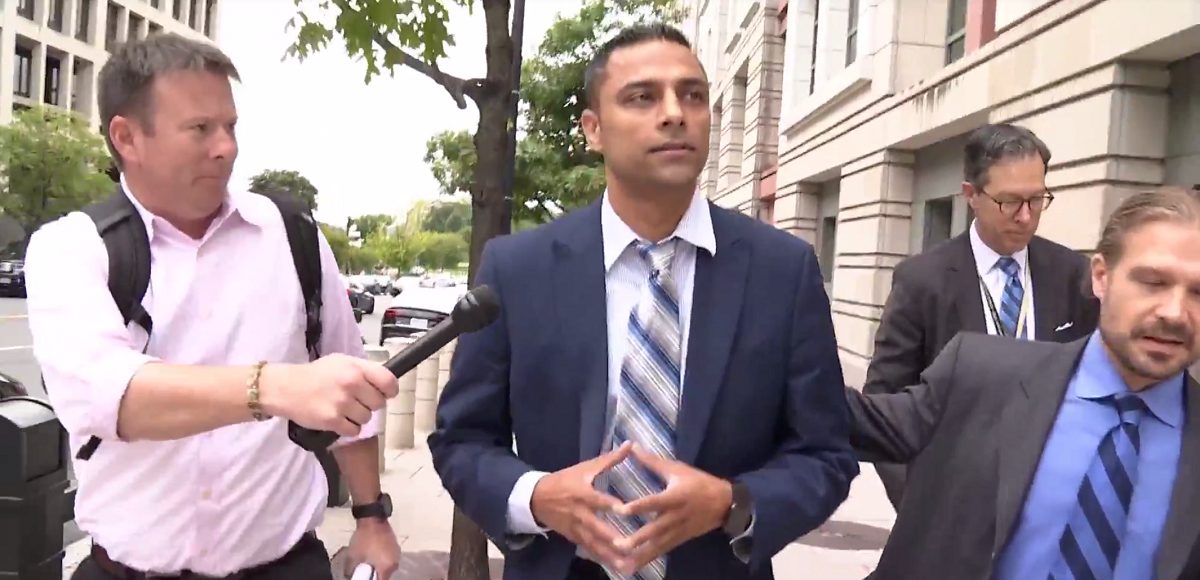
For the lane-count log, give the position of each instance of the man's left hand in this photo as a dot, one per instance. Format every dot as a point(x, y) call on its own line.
point(692, 504)
point(374, 543)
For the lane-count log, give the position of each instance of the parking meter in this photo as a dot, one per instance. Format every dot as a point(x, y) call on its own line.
point(33, 482)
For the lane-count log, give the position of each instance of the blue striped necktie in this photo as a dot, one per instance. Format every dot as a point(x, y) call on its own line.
point(648, 403)
point(1014, 294)
point(1091, 541)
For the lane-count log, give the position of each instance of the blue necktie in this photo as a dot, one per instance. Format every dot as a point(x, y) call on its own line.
point(1010, 303)
point(648, 403)
point(1091, 542)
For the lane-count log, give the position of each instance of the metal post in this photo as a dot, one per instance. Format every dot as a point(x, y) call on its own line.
point(518, 34)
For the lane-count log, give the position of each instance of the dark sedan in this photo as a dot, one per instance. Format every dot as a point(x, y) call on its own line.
point(12, 278)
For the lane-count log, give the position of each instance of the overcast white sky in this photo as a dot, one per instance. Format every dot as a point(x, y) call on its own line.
point(361, 145)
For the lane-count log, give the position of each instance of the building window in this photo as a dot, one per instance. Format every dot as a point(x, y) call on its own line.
point(53, 81)
point(110, 39)
point(156, 3)
point(23, 73)
point(210, 14)
point(827, 247)
point(956, 30)
point(192, 14)
point(812, 61)
point(83, 22)
point(56, 20)
point(852, 34)
point(25, 8)
point(939, 214)
point(177, 10)
point(135, 27)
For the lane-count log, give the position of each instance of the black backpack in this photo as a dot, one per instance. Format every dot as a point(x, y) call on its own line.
point(120, 226)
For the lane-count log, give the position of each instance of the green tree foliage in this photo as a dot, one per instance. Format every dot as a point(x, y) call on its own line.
point(555, 171)
point(52, 164)
point(286, 180)
point(369, 225)
point(448, 217)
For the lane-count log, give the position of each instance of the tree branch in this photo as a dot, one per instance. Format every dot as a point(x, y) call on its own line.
point(455, 86)
point(458, 88)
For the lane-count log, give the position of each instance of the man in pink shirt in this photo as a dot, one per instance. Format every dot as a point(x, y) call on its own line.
point(196, 477)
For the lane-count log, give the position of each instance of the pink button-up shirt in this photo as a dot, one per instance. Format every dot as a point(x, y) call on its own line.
point(212, 503)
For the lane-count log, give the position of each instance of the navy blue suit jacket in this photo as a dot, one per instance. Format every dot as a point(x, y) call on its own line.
point(762, 401)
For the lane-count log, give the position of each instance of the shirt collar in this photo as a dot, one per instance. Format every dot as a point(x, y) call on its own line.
point(236, 204)
point(985, 256)
point(695, 228)
point(1164, 399)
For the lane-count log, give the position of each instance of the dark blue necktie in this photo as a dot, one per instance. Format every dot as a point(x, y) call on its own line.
point(1091, 542)
point(1014, 294)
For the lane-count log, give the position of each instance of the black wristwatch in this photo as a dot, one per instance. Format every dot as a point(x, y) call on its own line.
point(380, 508)
point(737, 521)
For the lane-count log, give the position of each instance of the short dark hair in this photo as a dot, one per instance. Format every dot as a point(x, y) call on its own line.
point(1167, 203)
point(634, 35)
point(126, 78)
point(991, 144)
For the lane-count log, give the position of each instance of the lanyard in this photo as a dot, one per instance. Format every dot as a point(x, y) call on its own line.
point(996, 323)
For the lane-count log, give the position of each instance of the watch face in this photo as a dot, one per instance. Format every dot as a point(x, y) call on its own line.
point(385, 501)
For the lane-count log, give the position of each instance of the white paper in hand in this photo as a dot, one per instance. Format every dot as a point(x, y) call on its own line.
point(363, 572)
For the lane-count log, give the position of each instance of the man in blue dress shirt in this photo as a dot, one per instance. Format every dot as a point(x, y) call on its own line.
point(1035, 460)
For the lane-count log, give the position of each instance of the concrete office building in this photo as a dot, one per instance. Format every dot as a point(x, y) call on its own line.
point(51, 50)
point(843, 120)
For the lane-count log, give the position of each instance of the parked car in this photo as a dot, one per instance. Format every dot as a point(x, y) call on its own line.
point(360, 300)
point(417, 310)
point(12, 277)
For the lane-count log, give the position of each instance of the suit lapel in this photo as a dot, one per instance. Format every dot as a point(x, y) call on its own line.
point(1025, 425)
point(963, 286)
point(716, 308)
point(1180, 533)
point(1048, 296)
point(579, 289)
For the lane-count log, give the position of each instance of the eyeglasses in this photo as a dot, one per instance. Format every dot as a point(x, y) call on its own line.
point(1010, 207)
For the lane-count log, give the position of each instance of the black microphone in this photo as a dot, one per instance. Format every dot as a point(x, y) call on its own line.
point(474, 311)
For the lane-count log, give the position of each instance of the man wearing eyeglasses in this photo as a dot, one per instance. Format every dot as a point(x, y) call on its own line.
point(998, 277)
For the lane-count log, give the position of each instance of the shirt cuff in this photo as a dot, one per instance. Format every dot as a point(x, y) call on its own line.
point(113, 372)
point(520, 506)
point(743, 545)
point(371, 429)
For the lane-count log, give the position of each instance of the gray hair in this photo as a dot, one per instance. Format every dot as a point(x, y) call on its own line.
point(992, 144)
point(1166, 203)
point(126, 80)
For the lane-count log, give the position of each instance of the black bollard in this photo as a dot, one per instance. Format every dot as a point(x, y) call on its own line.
point(33, 483)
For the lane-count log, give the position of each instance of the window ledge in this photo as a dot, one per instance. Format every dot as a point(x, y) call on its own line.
point(829, 94)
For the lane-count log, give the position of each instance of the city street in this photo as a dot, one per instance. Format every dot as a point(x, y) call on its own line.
point(846, 547)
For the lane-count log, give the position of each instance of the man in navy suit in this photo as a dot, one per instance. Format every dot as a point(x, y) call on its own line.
point(666, 368)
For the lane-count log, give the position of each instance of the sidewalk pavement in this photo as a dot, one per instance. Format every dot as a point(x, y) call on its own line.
point(847, 547)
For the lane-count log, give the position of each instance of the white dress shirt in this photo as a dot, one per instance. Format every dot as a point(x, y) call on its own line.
point(215, 502)
point(995, 279)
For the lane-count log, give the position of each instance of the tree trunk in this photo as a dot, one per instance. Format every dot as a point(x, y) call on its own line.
point(489, 218)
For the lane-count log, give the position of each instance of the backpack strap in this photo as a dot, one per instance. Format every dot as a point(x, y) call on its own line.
point(124, 234)
point(302, 233)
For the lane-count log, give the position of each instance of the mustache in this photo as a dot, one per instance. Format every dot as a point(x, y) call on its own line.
point(1166, 330)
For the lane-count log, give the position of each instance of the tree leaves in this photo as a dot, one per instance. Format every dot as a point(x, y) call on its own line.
point(416, 25)
point(53, 164)
point(285, 181)
point(554, 170)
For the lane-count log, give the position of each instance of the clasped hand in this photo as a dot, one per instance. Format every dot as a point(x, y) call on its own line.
point(692, 504)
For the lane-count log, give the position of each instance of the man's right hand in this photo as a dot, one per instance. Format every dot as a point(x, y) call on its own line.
point(566, 502)
point(333, 393)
